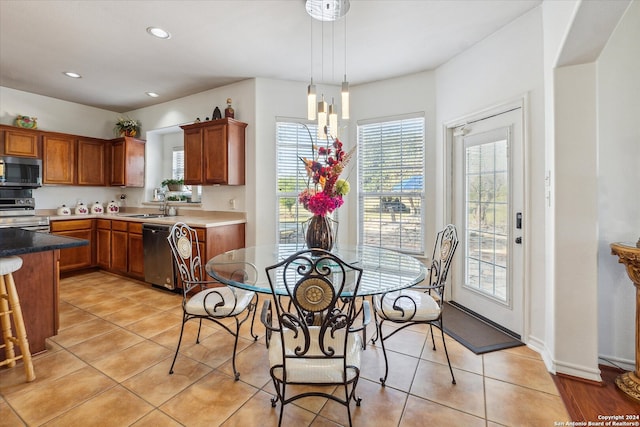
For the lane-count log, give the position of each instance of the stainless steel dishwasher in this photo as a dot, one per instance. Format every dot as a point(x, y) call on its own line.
point(158, 260)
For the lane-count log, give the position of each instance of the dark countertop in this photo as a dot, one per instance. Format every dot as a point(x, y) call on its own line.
point(15, 241)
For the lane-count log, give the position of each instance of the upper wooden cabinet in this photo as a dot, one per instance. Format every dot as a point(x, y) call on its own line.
point(19, 142)
point(214, 152)
point(58, 159)
point(92, 162)
point(127, 162)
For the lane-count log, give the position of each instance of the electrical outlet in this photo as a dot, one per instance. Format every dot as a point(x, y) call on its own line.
point(232, 203)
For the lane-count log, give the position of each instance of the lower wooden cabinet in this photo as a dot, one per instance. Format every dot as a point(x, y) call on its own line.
point(81, 256)
point(117, 245)
point(135, 250)
point(103, 243)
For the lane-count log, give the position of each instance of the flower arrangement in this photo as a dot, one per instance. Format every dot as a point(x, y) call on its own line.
point(127, 127)
point(324, 171)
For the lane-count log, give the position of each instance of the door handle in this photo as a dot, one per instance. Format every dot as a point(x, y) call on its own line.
point(519, 240)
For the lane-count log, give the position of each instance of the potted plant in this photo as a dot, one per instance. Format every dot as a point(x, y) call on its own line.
point(174, 184)
point(127, 127)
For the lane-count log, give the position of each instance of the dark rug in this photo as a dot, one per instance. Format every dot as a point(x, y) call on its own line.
point(475, 334)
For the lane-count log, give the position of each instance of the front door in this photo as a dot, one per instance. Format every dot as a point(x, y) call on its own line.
point(488, 211)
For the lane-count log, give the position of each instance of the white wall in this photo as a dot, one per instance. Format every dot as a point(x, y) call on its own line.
point(505, 66)
point(575, 219)
point(618, 89)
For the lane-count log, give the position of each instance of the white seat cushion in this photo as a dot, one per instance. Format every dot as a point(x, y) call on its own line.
point(322, 370)
point(10, 264)
point(195, 305)
point(424, 305)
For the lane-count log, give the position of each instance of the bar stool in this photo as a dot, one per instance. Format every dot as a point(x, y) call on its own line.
point(10, 304)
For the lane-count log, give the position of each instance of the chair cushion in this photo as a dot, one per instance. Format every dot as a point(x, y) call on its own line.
point(10, 264)
point(321, 370)
point(424, 305)
point(195, 304)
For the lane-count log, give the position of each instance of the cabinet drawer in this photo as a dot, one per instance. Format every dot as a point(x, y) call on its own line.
point(119, 225)
point(135, 227)
point(103, 224)
point(74, 224)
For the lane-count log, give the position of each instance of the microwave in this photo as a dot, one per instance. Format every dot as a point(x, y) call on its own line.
point(20, 172)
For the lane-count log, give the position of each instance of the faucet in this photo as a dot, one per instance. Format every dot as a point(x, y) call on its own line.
point(163, 206)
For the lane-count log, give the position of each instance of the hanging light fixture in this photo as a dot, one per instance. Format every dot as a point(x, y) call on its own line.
point(322, 118)
point(345, 83)
point(311, 90)
point(327, 11)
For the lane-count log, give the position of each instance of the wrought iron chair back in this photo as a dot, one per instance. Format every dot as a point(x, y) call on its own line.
point(207, 299)
point(420, 304)
point(313, 337)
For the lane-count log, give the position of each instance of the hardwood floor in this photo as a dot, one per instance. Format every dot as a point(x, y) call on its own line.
point(587, 401)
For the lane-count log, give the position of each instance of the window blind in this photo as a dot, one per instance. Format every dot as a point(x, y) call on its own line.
point(391, 170)
point(293, 140)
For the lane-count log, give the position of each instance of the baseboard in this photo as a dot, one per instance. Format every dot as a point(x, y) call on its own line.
point(578, 371)
point(582, 380)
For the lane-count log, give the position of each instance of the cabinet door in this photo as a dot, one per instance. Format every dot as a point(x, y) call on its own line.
point(119, 250)
point(58, 159)
point(117, 163)
point(103, 248)
point(193, 166)
point(91, 162)
point(136, 250)
point(78, 257)
point(20, 143)
point(215, 155)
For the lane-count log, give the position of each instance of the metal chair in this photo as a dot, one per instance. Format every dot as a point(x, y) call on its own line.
point(314, 340)
point(420, 304)
point(206, 299)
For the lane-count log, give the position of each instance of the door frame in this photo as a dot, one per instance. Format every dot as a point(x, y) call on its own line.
point(448, 169)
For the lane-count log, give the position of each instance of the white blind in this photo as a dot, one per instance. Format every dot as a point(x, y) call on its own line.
point(391, 184)
point(177, 168)
point(294, 140)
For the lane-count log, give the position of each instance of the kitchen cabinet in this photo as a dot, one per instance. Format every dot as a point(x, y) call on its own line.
point(103, 243)
point(92, 162)
point(214, 152)
point(135, 250)
point(58, 158)
point(19, 142)
point(127, 162)
point(81, 256)
point(119, 246)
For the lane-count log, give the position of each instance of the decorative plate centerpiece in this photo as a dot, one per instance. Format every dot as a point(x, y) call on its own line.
point(27, 122)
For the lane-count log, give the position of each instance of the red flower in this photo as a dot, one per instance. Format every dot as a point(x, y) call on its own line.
point(324, 172)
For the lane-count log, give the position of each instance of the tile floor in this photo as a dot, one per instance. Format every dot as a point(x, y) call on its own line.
point(109, 364)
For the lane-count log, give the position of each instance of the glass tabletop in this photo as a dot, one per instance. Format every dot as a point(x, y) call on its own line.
point(383, 270)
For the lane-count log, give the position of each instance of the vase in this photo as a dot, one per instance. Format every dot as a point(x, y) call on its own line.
point(319, 233)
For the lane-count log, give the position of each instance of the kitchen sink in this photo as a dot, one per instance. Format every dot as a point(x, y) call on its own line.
point(146, 215)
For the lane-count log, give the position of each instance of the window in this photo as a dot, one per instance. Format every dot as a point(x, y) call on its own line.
point(293, 140)
point(177, 165)
point(390, 184)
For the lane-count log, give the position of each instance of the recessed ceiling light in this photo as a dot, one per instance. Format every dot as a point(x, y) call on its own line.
point(159, 32)
point(72, 75)
point(152, 94)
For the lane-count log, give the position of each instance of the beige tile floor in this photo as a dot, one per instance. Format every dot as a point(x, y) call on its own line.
point(109, 364)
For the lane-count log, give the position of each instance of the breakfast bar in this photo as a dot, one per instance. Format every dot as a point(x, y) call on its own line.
point(37, 281)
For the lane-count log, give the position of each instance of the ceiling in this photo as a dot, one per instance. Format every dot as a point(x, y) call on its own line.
point(215, 43)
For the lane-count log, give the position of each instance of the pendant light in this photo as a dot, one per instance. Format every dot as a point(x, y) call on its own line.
point(322, 118)
point(345, 83)
point(333, 121)
point(311, 89)
point(327, 11)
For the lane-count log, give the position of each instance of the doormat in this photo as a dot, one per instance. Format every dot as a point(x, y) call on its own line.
point(474, 333)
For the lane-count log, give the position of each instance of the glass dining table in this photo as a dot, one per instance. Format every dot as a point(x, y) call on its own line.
point(384, 270)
